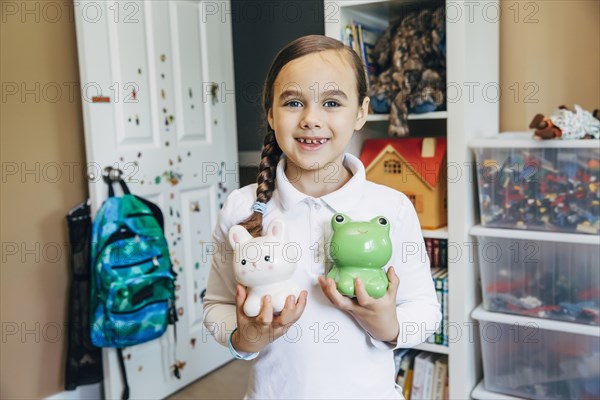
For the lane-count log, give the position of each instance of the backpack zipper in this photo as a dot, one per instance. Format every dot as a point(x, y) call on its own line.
point(140, 214)
point(139, 308)
point(122, 233)
point(163, 276)
point(154, 260)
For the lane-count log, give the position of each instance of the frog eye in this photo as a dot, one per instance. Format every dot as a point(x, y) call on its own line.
point(339, 218)
point(243, 262)
point(382, 221)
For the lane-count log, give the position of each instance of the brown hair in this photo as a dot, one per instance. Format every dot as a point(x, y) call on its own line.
point(271, 152)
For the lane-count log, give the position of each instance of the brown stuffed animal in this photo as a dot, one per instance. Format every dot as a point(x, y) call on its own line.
point(567, 124)
point(544, 128)
point(411, 58)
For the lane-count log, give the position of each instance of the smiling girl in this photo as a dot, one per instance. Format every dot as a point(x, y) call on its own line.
point(323, 344)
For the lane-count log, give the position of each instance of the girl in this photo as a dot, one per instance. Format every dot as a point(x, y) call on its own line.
point(322, 345)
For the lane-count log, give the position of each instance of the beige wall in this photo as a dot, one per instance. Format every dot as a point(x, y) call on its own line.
point(553, 61)
point(44, 133)
point(559, 55)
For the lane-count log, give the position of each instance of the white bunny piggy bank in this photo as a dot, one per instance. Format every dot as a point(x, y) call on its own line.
point(259, 264)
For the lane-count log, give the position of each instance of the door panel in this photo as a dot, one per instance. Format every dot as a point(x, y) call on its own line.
point(151, 81)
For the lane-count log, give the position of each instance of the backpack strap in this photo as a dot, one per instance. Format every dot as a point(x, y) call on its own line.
point(156, 211)
point(125, 394)
point(112, 175)
point(111, 190)
point(173, 320)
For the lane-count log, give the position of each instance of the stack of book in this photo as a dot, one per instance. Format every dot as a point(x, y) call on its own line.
point(437, 250)
point(362, 39)
point(440, 282)
point(422, 375)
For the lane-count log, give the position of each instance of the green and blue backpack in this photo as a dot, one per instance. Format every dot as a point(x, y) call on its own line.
point(132, 277)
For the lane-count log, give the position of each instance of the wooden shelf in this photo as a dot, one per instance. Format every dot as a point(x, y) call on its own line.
point(441, 233)
point(431, 115)
point(433, 348)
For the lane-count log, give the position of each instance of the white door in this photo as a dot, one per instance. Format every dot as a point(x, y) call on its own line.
point(157, 87)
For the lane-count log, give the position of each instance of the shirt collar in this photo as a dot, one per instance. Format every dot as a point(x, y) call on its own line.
point(341, 200)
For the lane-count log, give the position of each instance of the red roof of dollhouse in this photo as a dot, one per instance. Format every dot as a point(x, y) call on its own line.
point(409, 149)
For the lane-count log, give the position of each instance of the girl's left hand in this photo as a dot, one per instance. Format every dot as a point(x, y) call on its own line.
point(376, 316)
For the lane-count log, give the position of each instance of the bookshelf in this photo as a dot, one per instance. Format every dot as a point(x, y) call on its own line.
point(472, 48)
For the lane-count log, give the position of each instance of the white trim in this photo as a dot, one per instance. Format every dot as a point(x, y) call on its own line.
point(429, 115)
point(547, 324)
point(85, 392)
point(440, 233)
point(541, 236)
point(526, 140)
point(378, 117)
point(352, 3)
point(433, 348)
point(480, 393)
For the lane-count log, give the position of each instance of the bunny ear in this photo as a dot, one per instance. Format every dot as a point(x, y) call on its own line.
point(276, 229)
point(238, 234)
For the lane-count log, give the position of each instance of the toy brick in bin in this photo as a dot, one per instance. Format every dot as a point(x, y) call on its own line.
point(540, 185)
point(549, 275)
point(544, 360)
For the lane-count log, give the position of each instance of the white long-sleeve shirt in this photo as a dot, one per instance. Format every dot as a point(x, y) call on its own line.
point(326, 353)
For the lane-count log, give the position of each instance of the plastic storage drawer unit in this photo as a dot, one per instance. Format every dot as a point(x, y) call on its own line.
point(550, 185)
point(542, 359)
point(544, 275)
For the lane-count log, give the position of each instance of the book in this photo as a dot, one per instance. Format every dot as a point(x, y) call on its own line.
point(439, 291)
point(405, 372)
point(419, 372)
point(445, 319)
point(436, 253)
point(429, 247)
point(398, 356)
point(444, 253)
point(362, 39)
point(348, 36)
point(370, 36)
point(446, 395)
point(429, 371)
point(435, 273)
point(440, 376)
point(361, 45)
point(354, 38)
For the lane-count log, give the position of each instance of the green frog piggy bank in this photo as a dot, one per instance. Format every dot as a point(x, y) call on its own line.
point(360, 249)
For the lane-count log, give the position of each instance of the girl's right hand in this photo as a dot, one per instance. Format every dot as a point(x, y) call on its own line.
point(254, 334)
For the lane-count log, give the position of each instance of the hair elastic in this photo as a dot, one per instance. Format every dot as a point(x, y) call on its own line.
point(247, 356)
point(259, 207)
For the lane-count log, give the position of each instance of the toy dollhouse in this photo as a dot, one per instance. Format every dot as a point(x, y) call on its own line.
point(414, 166)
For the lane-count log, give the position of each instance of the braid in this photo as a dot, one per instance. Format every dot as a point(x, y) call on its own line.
point(265, 179)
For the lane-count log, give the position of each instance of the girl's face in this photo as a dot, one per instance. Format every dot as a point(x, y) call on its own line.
point(315, 109)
